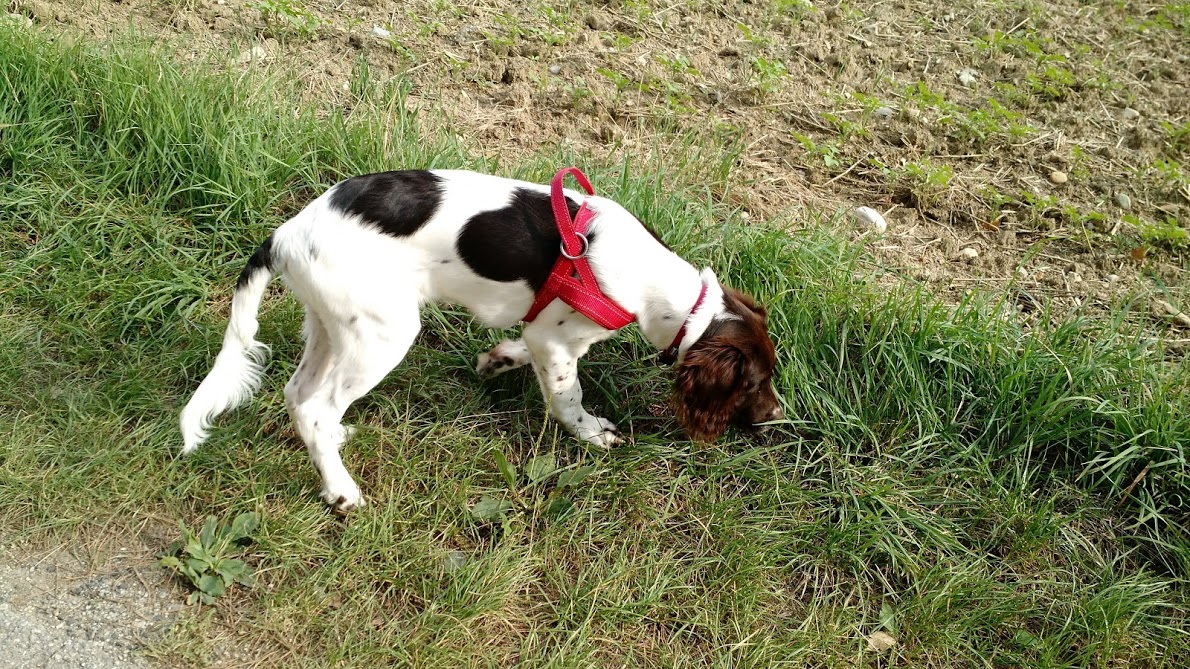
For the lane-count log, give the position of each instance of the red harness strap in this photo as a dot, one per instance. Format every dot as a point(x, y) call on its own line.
point(572, 280)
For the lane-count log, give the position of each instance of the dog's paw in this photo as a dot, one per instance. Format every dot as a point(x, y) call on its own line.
point(507, 355)
point(488, 365)
point(606, 436)
point(343, 499)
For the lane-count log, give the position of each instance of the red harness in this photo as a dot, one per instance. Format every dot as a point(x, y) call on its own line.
point(572, 280)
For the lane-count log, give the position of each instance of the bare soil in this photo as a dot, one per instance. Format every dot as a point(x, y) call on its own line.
point(950, 119)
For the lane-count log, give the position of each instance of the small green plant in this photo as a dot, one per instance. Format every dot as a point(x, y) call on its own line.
point(285, 18)
point(921, 93)
point(769, 74)
point(618, 41)
point(1167, 233)
point(622, 81)
point(928, 181)
point(204, 559)
point(1052, 82)
point(579, 95)
point(678, 65)
point(797, 9)
point(1177, 135)
point(753, 37)
point(827, 152)
point(846, 127)
point(535, 475)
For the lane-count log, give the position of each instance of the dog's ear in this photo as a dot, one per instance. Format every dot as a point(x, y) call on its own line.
point(748, 302)
point(707, 388)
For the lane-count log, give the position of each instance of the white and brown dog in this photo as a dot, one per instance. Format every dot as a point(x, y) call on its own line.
point(370, 251)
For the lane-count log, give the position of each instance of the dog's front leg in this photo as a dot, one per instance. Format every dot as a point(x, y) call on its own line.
point(556, 366)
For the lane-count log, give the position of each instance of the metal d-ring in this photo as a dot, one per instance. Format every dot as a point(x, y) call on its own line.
point(582, 253)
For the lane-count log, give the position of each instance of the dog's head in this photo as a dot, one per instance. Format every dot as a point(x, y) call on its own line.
point(727, 375)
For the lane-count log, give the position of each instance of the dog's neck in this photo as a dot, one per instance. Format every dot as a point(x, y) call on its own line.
point(667, 309)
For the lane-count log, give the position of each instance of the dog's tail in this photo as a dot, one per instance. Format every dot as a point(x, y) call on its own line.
point(240, 363)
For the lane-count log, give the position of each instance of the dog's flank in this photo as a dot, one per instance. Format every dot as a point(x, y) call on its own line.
point(367, 254)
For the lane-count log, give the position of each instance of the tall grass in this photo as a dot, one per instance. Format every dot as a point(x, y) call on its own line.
point(989, 495)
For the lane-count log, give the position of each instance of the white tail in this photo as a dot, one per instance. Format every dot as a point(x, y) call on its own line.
point(240, 363)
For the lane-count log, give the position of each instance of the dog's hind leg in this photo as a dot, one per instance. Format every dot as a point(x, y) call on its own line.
point(316, 363)
point(364, 349)
point(507, 355)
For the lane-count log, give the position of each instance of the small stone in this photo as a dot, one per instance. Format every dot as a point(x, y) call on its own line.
point(555, 69)
point(967, 77)
point(1058, 177)
point(17, 20)
point(1130, 114)
point(884, 112)
point(881, 641)
point(968, 254)
point(256, 53)
point(382, 33)
point(454, 561)
point(869, 217)
point(1123, 200)
point(1113, 278)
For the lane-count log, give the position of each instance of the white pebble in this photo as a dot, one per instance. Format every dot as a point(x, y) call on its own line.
point(1058, 177)
point(884, 112)
point(1113, 278)
point(881, 641)
point(1123, 200)
point(555, 69)
point(257, 52)
point(967, 77)
point(382, 33)
point(870, 217)
point(1130, 114)
point(968, 254)
point(454, 561)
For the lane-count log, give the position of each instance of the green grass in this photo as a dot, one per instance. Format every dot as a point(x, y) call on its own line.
point(990, 496)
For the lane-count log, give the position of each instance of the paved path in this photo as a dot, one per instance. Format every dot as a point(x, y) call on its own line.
point(57, 613)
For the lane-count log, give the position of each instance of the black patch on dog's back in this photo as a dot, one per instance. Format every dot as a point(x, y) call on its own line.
point(262, 258)
point(399, 203)
point(517, 242)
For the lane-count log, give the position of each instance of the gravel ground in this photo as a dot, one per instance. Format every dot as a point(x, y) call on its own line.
point(59, 611)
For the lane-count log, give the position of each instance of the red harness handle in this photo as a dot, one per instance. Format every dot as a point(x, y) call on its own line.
point(571, 279)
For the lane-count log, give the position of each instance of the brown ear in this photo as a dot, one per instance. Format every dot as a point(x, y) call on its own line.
point(746, 300)
point(707, 389)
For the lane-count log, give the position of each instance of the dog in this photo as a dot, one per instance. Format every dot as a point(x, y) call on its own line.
point(369, 252)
